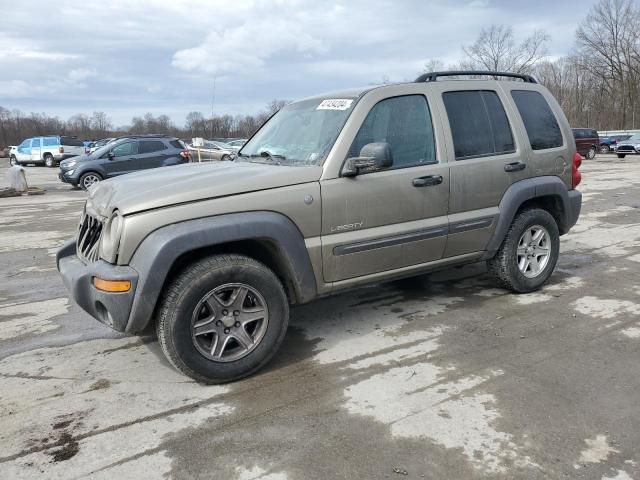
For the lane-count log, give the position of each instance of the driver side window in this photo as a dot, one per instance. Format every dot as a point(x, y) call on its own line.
point(405, 124)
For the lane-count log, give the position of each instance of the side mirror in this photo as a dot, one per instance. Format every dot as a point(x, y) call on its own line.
point(373, 157)
point(110, 155)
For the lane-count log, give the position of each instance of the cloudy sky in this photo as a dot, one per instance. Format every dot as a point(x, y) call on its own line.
point(161, 56)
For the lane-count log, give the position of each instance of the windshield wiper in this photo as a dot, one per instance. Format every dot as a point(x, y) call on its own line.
point(274, 159)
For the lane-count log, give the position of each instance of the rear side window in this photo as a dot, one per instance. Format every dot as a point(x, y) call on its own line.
point(539, 121)
point(50, 142)
point(479, 124)
point(405, 124)
point(177, 144)
point(149, 146)
point(71, 142)
point(35, 142)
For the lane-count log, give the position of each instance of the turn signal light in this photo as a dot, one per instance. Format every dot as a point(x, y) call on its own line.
point(112, 285)
point(576, 176)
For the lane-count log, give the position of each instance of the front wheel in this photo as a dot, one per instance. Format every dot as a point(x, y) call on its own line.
point(89, 179)
point(591, 154)
point(604, 149)
point(222, 318)
point(621, 155)
point(529, 252)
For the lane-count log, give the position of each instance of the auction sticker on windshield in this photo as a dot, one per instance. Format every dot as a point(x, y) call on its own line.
point(335, 104)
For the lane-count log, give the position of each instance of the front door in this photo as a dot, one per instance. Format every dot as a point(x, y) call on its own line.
point(36, 149)
point(23, 152)
point(393, 218)
point(122, 160)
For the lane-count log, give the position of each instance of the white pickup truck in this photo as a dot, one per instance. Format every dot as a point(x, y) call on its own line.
point(49, 150)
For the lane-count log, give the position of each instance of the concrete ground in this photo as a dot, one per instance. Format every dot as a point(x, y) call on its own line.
point(439, 377)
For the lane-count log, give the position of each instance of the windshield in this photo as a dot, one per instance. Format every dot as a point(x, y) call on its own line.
point(302, 133)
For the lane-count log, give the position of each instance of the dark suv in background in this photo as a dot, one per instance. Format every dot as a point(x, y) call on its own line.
point(587, 141)
point(124, 155)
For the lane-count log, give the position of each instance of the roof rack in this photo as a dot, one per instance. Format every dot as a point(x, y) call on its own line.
point(433, 76)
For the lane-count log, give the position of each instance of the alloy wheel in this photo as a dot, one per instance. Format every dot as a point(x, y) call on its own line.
point(534, 251)
point(89, 180)
point(229, 322)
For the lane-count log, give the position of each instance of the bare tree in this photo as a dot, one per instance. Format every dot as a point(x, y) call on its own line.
point(496, 49)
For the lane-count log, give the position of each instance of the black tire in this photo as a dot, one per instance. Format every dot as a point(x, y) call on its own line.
point(504, 266)
point(49, 161)
point(87, 179)
point(225, 158)
point(605, 149)
point(621, 155)
point(13, 160)
point(591, 153)
point(186, 292)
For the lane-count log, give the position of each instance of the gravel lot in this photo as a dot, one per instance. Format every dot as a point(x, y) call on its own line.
point(439, 377)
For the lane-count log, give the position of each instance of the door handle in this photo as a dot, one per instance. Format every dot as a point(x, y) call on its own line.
point(427, 181)
point(515, 167)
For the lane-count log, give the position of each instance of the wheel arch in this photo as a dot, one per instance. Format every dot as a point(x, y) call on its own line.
point(548, 193)
point(268, 237)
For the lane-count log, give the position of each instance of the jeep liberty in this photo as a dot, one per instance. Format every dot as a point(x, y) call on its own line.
point(332, 192)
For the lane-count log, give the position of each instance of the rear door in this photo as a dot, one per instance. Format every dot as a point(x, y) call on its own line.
point(151, 154)
point(36, 149)
point(485, 159)
point(394, 218)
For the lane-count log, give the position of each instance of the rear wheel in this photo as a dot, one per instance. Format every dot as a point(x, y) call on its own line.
point(225, 158)
point(49, 161)
point(529, 252)
point(223, 318)
point(604, 149)
point(89, 179)
point(621, 155)
point(591, 154)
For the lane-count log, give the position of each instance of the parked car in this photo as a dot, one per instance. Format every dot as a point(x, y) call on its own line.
point(630, 146)
point(332, 192)
point(48, 150)
point(125, 155)
point(101, 143)
point(13, 150)
point(212, 150)
point(614, 140)
point(587, 141)
point(237, 143)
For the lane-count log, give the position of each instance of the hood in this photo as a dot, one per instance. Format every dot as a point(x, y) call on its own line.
point(165, 186)
point(77, 158)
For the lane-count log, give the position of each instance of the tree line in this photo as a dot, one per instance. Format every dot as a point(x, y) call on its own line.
point(597, 84)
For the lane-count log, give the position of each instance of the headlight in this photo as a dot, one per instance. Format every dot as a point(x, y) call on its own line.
point(72, 163)
point(69, 172)
point(110, 239)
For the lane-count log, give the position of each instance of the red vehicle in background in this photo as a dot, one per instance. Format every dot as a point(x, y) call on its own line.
point(587, 142)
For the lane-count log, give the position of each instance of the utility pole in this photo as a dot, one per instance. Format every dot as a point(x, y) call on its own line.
point(213, 103)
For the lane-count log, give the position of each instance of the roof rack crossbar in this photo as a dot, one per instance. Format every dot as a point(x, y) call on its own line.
point(433, 76)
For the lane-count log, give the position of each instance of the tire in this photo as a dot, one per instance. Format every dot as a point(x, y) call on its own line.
point(621, 155)
point(225, 158)
point(13, 160)
point(591, 153)
point(49, 161)
point(88, 179)
point(604, 149)
point(184, 305)
point(511, 256)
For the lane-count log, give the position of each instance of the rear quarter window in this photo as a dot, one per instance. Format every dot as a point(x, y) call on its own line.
point(539, 121)
point(177, 144)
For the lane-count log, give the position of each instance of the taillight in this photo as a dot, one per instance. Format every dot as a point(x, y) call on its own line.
point(576, 176)
point(61, 149)
point(185, 154)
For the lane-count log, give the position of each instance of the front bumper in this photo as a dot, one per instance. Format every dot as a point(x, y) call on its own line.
point(63, 176)
point(112, 309)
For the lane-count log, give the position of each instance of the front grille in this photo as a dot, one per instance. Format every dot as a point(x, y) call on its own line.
point(626, 148)
point(89, 238)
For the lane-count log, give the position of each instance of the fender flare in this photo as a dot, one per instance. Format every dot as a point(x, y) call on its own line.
point(528, 189)
point(158, 252)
